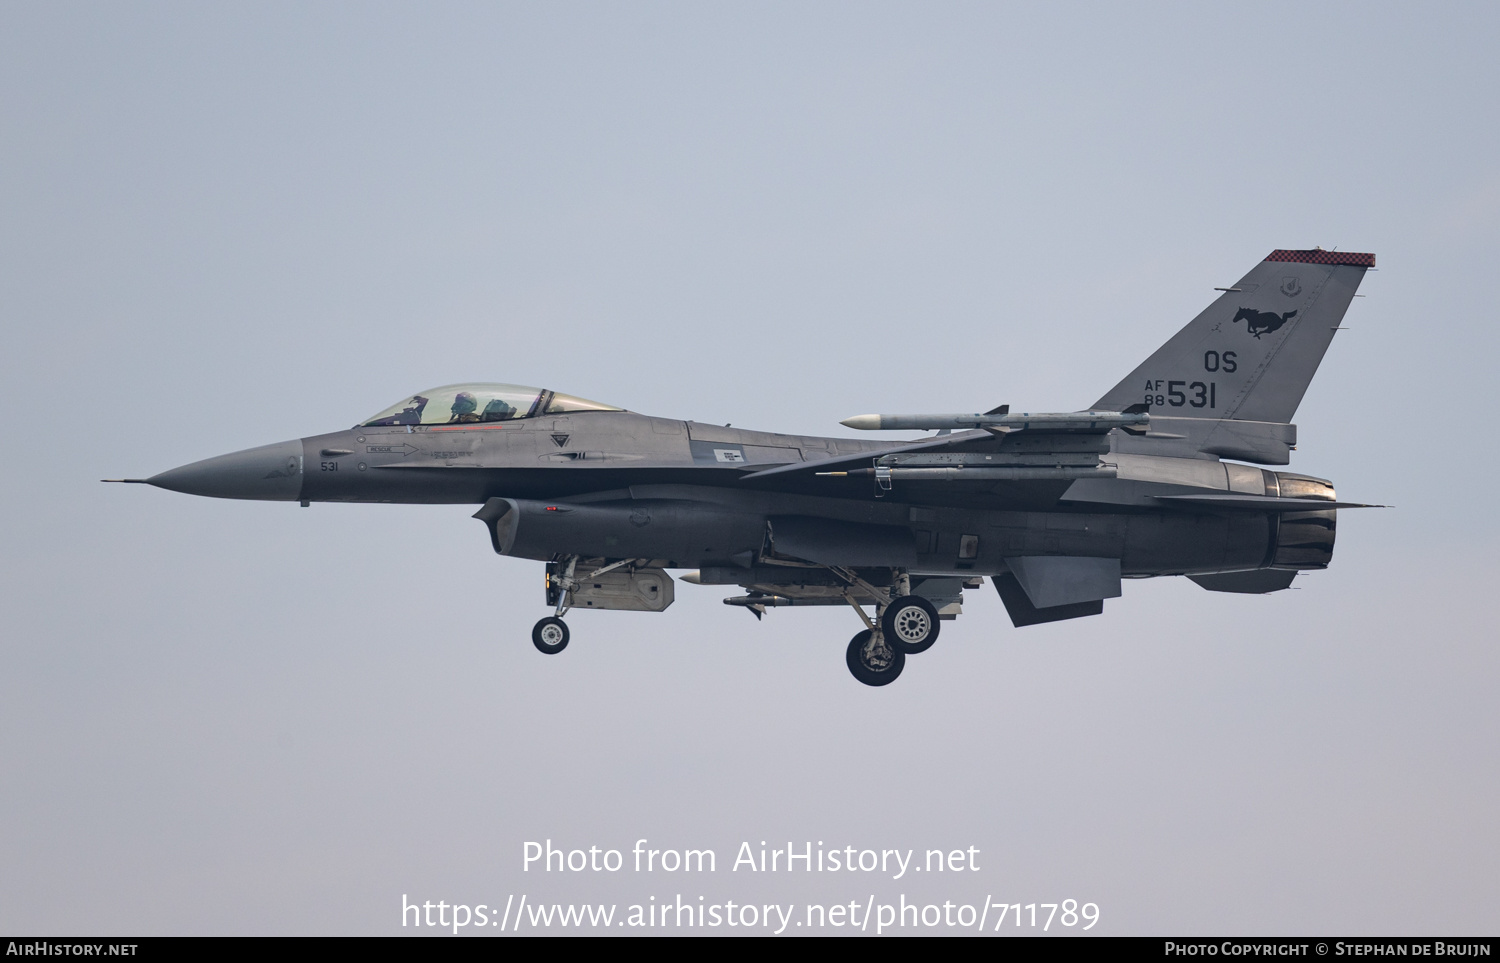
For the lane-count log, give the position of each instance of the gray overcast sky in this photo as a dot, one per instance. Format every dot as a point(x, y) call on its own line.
point(224, 225)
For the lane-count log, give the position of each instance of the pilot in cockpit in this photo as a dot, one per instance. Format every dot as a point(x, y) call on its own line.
point(497, 410)
point(465, 408)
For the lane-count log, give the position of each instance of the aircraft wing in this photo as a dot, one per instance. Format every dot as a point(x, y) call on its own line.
point(824, 464)
point(1025, 447)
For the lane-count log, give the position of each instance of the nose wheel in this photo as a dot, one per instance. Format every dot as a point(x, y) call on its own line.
point(550, 635)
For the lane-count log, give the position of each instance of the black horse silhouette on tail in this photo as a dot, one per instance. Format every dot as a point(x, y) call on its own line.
point(1262, 322)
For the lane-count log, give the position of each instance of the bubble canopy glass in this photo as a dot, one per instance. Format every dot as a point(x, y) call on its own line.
point(474, 403)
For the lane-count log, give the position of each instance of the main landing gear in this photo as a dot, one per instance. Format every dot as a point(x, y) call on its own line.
point(904, 624)
point(873, 660)
point(911, 623)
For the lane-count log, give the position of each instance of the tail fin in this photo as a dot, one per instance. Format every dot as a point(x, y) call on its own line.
point(1252, 353)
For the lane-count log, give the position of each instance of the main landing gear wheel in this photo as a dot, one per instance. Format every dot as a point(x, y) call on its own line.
point(910, 624)
point(550, 635)
point(874, 664)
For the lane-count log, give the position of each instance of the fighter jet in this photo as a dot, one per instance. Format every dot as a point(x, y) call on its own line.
point(1160, 476)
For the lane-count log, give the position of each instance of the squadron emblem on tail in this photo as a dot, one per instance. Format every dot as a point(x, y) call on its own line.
point(1262, 322)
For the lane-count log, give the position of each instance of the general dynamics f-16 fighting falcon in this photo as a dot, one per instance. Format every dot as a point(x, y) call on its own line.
point(1158, 477)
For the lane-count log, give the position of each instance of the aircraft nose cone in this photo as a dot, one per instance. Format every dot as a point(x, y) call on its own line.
point(270, 473)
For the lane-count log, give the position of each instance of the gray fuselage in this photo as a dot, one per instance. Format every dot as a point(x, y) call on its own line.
point(616, 484)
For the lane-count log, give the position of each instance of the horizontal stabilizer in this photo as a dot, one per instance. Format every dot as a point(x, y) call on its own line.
point(1266, 443)
point(1247, 583)
point(1023, 613)
point(1052, 580)
point(1256, 503)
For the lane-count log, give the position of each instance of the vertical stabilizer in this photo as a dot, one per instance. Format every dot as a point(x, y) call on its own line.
point(1252, 353)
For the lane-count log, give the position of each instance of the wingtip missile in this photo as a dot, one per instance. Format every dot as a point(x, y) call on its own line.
point(1099, 421)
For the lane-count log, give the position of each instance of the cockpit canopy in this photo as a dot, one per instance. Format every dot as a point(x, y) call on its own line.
point(463, 404)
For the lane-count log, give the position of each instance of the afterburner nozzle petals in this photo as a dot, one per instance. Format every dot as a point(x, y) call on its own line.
point(863, 422)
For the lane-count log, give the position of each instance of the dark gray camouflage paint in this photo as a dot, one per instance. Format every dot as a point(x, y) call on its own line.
point(610, 485)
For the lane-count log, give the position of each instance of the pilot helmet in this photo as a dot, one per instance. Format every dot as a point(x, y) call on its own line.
point(464, 403)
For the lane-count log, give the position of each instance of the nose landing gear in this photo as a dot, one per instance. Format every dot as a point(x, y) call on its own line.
point(550, 635)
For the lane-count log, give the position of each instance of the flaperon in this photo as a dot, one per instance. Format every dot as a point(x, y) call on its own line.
point(1158, 477)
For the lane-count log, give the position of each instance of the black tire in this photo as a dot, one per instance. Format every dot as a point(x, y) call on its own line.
point(910, 624)
point(550, 635)
point(873, 672)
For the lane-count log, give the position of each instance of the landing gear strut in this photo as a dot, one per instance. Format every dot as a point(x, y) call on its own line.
point(550, 635)
point(904, 624)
